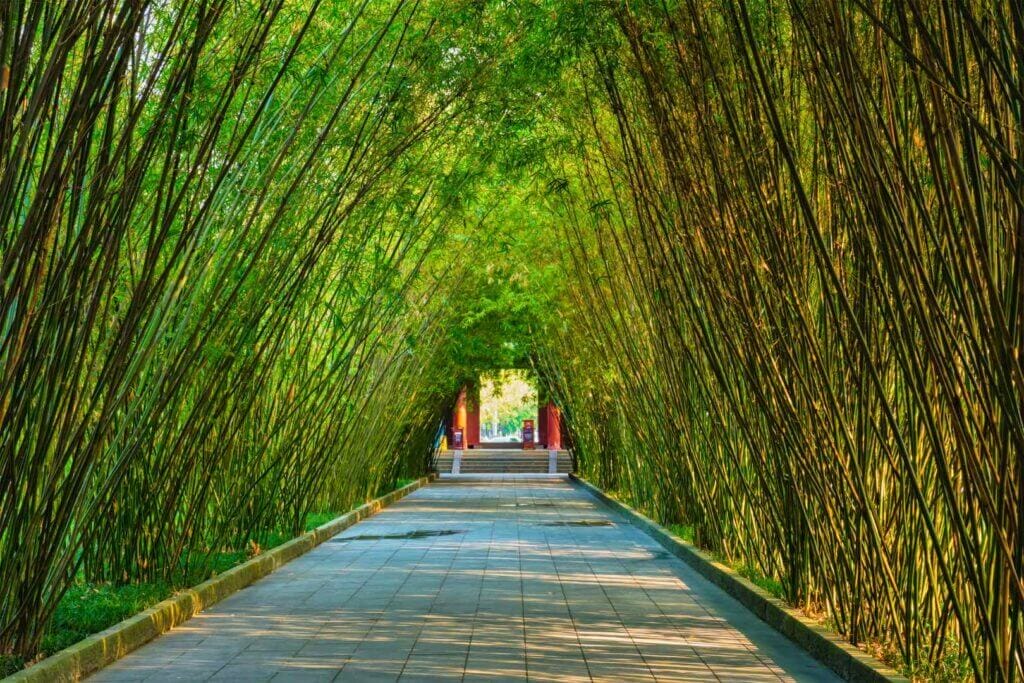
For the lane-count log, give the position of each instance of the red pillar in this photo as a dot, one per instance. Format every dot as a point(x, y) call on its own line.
point(472, 415)
point(466, 416)
point(458, 420)
point(542, 424)
point(550, 416)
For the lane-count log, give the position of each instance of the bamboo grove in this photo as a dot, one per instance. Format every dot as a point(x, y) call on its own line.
point(795, 251)
point(216, 221)
point(767, 255)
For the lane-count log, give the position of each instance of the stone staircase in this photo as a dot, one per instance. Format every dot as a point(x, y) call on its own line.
point(504, 461)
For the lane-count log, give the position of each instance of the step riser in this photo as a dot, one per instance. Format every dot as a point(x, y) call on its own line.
point(448, 465)
point(505, 470)
point(483, 461)
point(492, 470)
point(504, 462)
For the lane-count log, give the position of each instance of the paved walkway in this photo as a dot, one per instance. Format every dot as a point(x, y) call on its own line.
point(507, 579)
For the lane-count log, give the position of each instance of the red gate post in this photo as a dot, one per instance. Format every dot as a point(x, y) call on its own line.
point(552, 420)
point(466, 416)
point(458, 419)
point(542, 424)
point(473, 415)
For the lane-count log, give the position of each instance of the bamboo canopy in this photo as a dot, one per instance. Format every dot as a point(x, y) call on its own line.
point(767, 257)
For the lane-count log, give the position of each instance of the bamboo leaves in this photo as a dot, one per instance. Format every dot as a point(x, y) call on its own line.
point(807, 291)
point(204, 288)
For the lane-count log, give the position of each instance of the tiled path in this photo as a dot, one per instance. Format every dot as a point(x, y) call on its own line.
point(478, 580)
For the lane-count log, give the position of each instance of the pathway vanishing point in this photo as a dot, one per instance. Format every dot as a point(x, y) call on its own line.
point(478, 580)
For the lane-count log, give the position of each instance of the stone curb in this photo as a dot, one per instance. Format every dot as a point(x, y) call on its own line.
point(106, 647)
point(848, 662)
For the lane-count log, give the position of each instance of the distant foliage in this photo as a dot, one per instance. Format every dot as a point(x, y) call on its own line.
point(507, 398)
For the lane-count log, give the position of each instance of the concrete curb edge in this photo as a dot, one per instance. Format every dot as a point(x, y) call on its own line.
point(98, 650)
point(848, 662)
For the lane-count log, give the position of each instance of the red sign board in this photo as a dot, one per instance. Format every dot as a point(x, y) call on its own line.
point(457, 439)
point(528, 435)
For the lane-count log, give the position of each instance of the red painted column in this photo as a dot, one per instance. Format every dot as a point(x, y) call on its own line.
point(458, 418)
point(542, 424)
point(553, 426)
point(472, 415)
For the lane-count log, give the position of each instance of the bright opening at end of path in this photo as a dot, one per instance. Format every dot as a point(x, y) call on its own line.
point(507, 399)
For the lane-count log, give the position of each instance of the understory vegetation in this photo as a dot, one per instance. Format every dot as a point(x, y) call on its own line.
point(768, 258)
point(88, 608)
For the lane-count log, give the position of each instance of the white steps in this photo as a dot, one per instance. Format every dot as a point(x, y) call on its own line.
point(505, 461)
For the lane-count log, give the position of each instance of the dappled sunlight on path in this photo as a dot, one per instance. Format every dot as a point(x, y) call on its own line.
point(479, 580)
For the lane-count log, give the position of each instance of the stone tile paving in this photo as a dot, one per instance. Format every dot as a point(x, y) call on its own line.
point(478, 580)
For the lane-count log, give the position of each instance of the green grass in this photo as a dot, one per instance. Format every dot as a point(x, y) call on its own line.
point(683, 531)
point(89, 608)
point(953, 667)
point(315, 519)
point(10, 664)
point(765, 583)
point(223, 561)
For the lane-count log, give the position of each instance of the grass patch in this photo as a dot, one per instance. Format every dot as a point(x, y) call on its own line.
point(765, 583)
point(11, 664)
point(88, 608)
point(954, 666)
point(683, 531)
point(317, 519)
